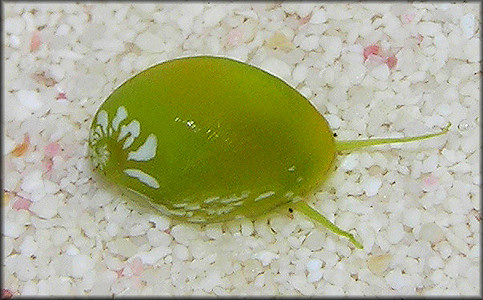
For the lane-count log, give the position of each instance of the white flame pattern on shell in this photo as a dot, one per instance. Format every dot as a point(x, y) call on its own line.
point(131, 131)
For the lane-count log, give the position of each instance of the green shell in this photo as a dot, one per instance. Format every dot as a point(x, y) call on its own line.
point(208, 139)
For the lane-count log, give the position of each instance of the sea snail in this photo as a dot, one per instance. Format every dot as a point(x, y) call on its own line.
point(209, 139)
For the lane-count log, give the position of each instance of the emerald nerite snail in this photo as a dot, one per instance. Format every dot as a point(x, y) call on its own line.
point(209, 139)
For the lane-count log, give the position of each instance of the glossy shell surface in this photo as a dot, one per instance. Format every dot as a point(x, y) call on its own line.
point(208, 139)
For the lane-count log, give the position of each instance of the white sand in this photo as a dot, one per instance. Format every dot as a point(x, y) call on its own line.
point(373, 70)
